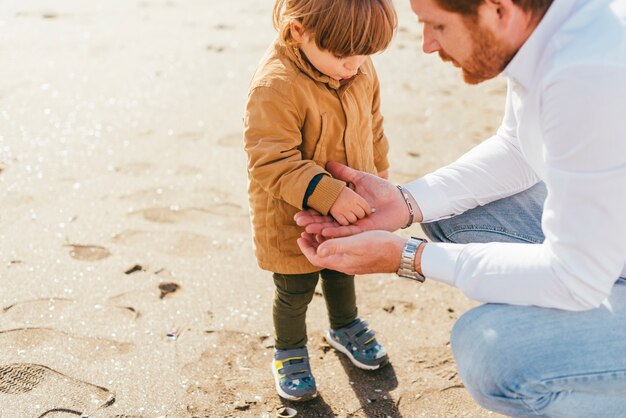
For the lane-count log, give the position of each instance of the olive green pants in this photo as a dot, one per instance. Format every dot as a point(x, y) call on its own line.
point(292, 296)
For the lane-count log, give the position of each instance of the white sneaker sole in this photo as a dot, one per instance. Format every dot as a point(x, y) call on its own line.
point(284, 395)
point(345, 351)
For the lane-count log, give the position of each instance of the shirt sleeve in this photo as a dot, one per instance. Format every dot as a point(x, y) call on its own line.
point(585, 247)
point(490, 171)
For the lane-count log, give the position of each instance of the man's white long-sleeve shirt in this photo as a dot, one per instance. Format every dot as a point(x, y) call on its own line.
point(564, 124)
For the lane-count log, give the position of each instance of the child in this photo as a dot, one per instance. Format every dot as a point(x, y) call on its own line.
point(314, 99)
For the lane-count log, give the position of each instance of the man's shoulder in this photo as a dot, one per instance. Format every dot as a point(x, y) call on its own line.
point(594, 37)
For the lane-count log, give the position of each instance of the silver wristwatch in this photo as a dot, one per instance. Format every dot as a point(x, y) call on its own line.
point(407, 263)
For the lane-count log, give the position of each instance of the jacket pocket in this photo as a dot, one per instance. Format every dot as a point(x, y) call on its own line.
point(320, 154)
point(287, 232)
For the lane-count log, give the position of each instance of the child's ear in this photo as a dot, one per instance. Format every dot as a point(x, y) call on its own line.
point(297, 30)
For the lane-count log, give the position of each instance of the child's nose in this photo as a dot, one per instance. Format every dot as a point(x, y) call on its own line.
point(355, 62)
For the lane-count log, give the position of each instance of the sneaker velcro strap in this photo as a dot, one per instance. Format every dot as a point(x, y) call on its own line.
point(356, 328)
point(296, 352)
point(365, 337)
point(290, 369)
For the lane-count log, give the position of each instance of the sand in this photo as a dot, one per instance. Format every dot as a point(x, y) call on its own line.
point(129, 284)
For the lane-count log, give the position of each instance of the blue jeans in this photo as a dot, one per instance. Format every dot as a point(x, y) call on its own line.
point(529, 361)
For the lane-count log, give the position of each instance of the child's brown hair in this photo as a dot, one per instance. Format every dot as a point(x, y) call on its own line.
point(342, 27)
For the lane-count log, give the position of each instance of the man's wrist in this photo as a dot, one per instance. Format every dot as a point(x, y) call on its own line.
point(417, 216)
point(407, 201)
point(413, 209)
point(408, 259)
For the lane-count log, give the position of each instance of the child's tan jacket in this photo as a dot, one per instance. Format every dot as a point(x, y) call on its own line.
point(296, 121)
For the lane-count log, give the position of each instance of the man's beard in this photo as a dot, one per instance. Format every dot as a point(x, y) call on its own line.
point(488, 59)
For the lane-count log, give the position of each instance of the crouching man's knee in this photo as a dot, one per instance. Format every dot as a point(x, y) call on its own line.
point(493, 363)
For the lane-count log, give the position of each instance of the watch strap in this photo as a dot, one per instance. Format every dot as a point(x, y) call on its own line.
point(407, 262)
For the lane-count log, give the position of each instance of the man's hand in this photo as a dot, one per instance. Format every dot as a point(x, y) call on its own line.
point(349, 207)
point(368, 252)
point(391, 209)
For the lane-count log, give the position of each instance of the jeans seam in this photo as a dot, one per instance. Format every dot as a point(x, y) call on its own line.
point(484, 228)
point(553, 380)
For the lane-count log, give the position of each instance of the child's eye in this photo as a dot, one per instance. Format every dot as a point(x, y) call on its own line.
point(339, 57)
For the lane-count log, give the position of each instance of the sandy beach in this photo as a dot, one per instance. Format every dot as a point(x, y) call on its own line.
point(129, 286)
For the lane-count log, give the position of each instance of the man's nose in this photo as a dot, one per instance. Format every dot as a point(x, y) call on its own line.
point(429, 43)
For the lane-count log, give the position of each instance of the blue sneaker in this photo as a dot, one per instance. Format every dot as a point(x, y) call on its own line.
point(357, 342)
point(292, 374)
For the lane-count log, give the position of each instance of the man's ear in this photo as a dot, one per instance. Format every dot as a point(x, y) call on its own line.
point(297, 30)
point(499, 13)
point(503, 16)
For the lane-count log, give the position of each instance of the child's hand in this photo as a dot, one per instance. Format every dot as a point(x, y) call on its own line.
point(384, 174)
point(349, 207)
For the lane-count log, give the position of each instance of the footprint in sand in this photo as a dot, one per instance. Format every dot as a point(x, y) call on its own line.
point(88, 252)
point(439, 361)
point(135, 169)
point(214, 193)
point(154, 195)
point(35, 341)
point(190, 135)
point(39, 311)
point(14, 199)
point(220, 202)
point(212, 389)
point(188, 170)
point(173, 215)
point(40, 308)
point(183, 244)
point(33, 390)
point(232, 140)
point(227, 209)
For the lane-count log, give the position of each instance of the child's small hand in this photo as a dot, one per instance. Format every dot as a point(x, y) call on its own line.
point(349, 207)
point(384, 174)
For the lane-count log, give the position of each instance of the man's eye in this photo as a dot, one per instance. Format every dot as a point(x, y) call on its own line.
point(438, 27)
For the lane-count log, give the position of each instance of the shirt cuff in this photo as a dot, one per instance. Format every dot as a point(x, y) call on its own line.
point(432, 202)
point(439, 261)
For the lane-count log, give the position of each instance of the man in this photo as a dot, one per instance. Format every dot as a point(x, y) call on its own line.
point(551, 339)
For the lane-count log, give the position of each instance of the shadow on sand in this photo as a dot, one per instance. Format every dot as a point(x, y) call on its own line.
point(372, 389)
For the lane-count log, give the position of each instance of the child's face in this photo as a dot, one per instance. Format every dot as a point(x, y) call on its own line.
point(339, 68)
